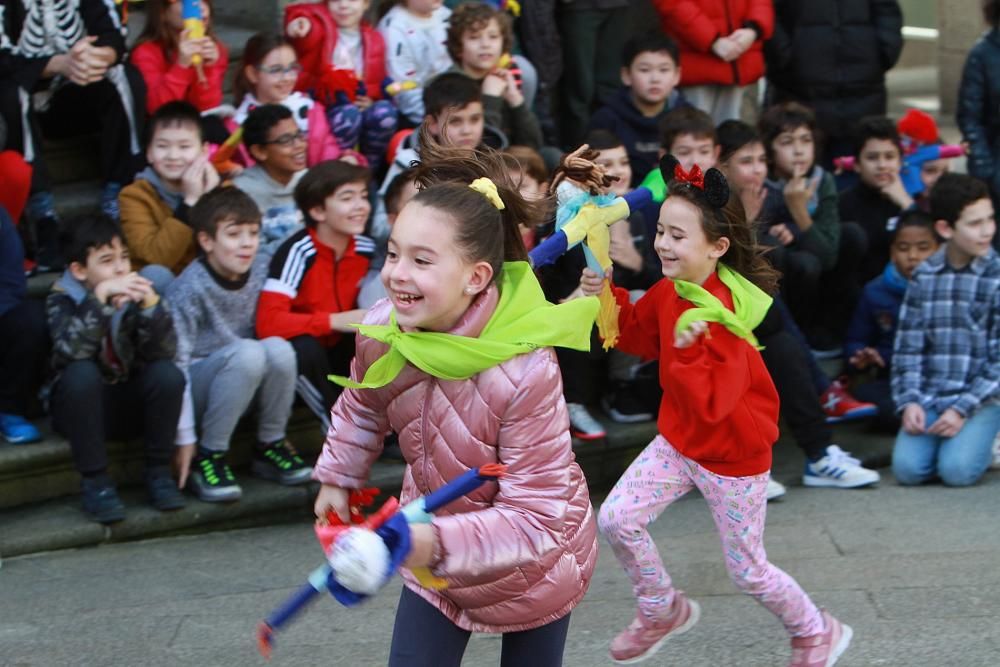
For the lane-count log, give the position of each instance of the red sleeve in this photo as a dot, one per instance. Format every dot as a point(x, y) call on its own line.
point(639, 323)
point(688, 22)
point(275, 318)
point(309, 49)
point(761, 12)
point(165, 82)
point(208, 95)
point(710, 377)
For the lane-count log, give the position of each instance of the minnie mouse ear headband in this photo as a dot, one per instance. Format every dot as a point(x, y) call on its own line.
point(711, 185)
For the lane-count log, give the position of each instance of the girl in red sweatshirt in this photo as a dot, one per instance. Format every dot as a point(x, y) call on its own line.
point(717, 421)
point(176, 66)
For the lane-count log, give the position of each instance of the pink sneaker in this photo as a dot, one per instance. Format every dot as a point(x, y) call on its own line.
point(824, 649)
point(641, 639)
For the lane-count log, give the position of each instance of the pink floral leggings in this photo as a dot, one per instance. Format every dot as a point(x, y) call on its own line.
point(661, 475)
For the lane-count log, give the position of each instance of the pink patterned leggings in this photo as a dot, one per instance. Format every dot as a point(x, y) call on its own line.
point(661, 475)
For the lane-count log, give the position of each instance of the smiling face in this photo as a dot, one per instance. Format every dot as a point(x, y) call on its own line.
point(284, 154)
point(615, 163)
point(104, 263)
point(347, 13)
point(746, 168)
point(652, 76)
point(274, 78)
point(482, 48)
point(878, 162)
point(172, 149)
point(794, 151)
point(231, 251)
point(426, 274)
point(971, 235)
point(345, 212)
point(685, 252)
point(912, 245)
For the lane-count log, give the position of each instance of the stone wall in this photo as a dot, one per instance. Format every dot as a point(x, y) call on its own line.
point(960, 23)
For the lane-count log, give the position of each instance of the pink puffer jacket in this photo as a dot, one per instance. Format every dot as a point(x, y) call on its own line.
point(517, 555)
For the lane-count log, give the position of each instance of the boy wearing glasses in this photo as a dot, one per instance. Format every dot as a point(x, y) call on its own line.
point(155, 207)
point(275, 141)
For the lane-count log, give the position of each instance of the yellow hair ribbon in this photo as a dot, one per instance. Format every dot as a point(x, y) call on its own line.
point(488, 189)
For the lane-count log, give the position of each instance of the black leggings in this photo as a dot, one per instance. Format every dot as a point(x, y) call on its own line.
point(423, 637)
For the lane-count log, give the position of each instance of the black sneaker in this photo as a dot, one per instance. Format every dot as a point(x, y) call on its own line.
point(163, 492)
point(211, 478)
point(100, 499)
point(279, 462)
point(625, 407)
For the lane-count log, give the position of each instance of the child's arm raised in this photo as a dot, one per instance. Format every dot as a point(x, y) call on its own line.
point(526, 519)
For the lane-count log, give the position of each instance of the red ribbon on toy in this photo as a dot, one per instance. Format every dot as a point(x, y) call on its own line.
point(693, 177)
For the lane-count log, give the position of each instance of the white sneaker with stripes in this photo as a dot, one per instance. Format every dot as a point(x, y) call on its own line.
point(840, 470)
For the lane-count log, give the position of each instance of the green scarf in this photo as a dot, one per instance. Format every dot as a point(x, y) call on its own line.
point(749, 301)
point(523, 321)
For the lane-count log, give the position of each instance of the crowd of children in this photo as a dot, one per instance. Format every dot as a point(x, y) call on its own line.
point(397, 176)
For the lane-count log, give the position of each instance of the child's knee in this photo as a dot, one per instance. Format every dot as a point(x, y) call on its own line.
point(960, 472)
point(280, 356)
point(83, 376)
point(610, 522)
point(165, 375)
point(250, 358)
point(909, 473)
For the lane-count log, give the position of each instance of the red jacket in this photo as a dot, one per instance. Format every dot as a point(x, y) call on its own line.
point(168, 81)
point(307, 283)
point(719, 405)
point(315, 50)
point(696, 24)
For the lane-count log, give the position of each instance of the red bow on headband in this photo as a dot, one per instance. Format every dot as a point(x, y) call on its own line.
point(693, 177)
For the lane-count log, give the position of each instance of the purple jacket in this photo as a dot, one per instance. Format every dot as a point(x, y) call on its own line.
point(517, 555)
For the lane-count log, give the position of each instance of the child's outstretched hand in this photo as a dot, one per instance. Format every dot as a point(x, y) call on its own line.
point(298, 28)
point(865, 357)
point(332, 498)
point(689, 336)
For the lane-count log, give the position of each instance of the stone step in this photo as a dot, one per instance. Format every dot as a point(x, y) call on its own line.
point(38, 472)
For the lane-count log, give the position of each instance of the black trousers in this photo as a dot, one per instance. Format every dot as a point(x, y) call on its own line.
point(23, 347)
point(584, 374)
point(75, 110)
point(87, 410)
point(315, 364)
point(879, 392)
point(789, 369)
point(423, 637)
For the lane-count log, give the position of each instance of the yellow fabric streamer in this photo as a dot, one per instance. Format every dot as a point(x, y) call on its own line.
point(488, 189)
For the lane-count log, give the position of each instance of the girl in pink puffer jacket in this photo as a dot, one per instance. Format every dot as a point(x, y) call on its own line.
point(458, 362)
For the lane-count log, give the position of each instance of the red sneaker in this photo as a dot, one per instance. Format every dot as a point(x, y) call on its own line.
point(840, 406)
point(642, 638)
point(824, 649)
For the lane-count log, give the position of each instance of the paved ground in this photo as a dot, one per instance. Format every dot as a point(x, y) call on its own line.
point(915, 571)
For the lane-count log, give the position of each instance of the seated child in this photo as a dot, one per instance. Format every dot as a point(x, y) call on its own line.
point(650, 72)
point(310, 297)
point(399, 192)
point(278, 145)
point(113, 344)
point(267, 75)
point(177, 67)
point(415, 34)
point(22, 336)
point(214, 302)
point(478, 38)
point(527, 168)
point(945, 364)
point(878, 197)
point(155, 208)
point(870, 336)
point(343, 61)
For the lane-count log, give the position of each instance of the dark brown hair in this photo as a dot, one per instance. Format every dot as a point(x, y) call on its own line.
point(744, 255)
point(255, 51)
point(685, 120)
point(952, 193)
point(322, 180)
point(225, 202)
point(484, 233)
point(786, 117)
point(991, 12)
point(527, 161)
point(159, 31)
point(472, 16)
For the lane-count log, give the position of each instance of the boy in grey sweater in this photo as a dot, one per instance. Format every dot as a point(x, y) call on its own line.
point(214, 304)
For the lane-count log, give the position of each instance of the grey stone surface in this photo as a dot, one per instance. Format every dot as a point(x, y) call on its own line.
point(914, 571)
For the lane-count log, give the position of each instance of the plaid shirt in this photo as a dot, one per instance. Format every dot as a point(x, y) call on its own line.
point(947, 349)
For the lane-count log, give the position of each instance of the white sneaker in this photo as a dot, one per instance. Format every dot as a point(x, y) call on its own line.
point(582, 424)
point(996, 454)
point(838, 469)
point(775, 489)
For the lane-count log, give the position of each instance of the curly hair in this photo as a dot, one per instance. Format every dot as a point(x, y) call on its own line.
point(472, 16)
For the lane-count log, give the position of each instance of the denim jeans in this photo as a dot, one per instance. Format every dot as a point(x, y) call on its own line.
point(959, 461)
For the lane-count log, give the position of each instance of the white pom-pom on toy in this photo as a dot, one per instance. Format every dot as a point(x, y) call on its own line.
point(360, 561)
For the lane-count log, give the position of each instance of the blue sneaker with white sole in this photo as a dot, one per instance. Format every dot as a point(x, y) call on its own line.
point(17, 430)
